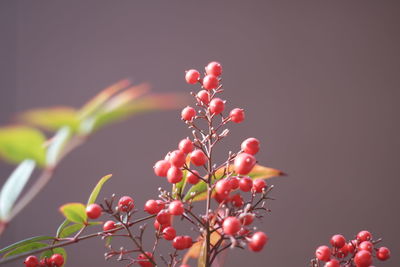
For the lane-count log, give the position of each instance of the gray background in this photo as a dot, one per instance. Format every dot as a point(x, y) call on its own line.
point(319, 81)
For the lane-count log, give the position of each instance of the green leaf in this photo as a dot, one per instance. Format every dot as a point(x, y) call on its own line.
point(25, 242)
point(13, 187)
point(71, 229)
point(18, 143)
point(49, 253)
point(178, 188)
point(74, 212)
point(57, 145)
point(60, 228)
point(26, 248)
point(52, 118)
point(258, 172)
point(97, 189)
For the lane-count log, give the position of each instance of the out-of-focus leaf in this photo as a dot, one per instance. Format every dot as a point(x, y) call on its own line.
point(62, 226)
point(13, 187)
point(25, 248)
point(196, 251)
point(178, 188)
point(52, 118)
point(258, 172)
point(97, 189)
point(74, 212)
point(71, 229)
point(49, 253)
point(57, 145)
point(18, 143)
point(25, 242)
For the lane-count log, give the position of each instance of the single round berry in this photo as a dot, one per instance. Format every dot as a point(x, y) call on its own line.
point(338, 241)
point(177, 158)
point(234, 183)
point(108, 226)
point(176, 207)
point(186, 146)
point(56, 260)
point(231, 225)
point(247, 219)
point(223, 186)
point(250, 145)
point(193, 177)
point(126, 204)
point(259, 185)
point(364, 236)
point(203, 96)
point(237, 200)
point(169, 233)
point(257, 241)
point(383, 253)
point(366, 245)
point(192, 76)
point(144, 261)
point(244, 163)
point(323, 253)
point(210, 82)
point(217, 106)
point(214, 68)
point(179, 243)
point(164, 217)
point(174, 175)
point(152, 206)
point(161, 168)
point(31, 261)
point(363, 258)
point(332, 263)
point(245, 184)
point(93, 211)
point(237, 115)
point(188, 241)
point(198, 158)
point(188, 113)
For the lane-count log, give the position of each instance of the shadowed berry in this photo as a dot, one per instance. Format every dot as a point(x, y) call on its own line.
point(56, 260)
point(179, 243)
point(193, 177)
point(164, 217)
point(245, 184)
point(144, 261)
point(169, 233)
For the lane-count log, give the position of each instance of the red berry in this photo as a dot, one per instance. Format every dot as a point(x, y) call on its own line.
point(234, 183)
point(31, 261)
point(338, 241)
point(237, 115)
point(192, 76)
point(188, 241)
point(383, 253)
point(250, 145)
point(214, 68)
point(323, 253)
point(350, 247)
point(164, 217)
point(177, 158)
point(161, 227)
point(161, 168)
point(176, 207)
point(366, 245)
point(198, 157)
point(247, 219)
point(44, 262)
point(259, 185)
point(245, 184)
point(364, 236)
point(210, 82)
point(188, 113)
point(363, 258)
point(237, 200)
point(144, 261)
point(342, 252)
point(174, 175)
point(203, 96)
point(126, 204)
point(221, 197)
point(93, 211)
point(57, 260)
point(223, 186)
point(244, 163)
point(169, 233)
point(257, 242)
point(152, 206)
point(179, 242)
point(217, 106)
point(231, 225)
point(193, 177)
point(186, 146)
point(332, 263)
point(109, 225)
point(184, 265)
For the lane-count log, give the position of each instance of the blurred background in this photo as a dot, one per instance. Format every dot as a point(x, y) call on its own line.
point(319, 81)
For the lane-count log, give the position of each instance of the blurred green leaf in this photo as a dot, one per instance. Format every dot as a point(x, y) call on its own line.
point(97, 189)
point(52, 118)
point(13, 187)
point(62, 226)
point(74, 212)
point(18, 143)
point(178, 188)
point(57, 145)
point(49, 253)
point(26, 248)
point(258, 172)
point(71, 229)
point(25, 242)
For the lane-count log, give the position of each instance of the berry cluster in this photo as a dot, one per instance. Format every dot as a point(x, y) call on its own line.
point(358, 252)
point(56, 260)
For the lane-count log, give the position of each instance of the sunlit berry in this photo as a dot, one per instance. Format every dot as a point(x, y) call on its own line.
point(250, 145)
point(152, 206)
point(364, 236)
point(247, 219)
point(198, 158)
point(237, 200)
point(192, 76)
point(323, 253)
point(237, 115)
point(186, 146)
point(210, 82)
point(126, 204)
point(217, 106)
point(193, 177)
point(366, 245)
point(188, 113)
point(244, 163)
point(383, 253)
point(338, 241)
point(332, 263)
point(203, 96)
point(214, 68)
point(56, 260)
point(108, 226)
point(245, 184)
point(93, 211)
point(31, 261)
point(231, 225)
point(174, 175)
point(188, 241)
point(161, 168)
point(363, 258)
point(257, 241)
point(259, 185)
point(179, 243)
point(176, 207)
point(223, 186)
point(164, 217)
point(177, 158)
point(144, 261)
point(169, 233)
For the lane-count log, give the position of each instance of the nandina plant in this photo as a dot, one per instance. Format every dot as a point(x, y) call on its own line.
point(220, 200)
